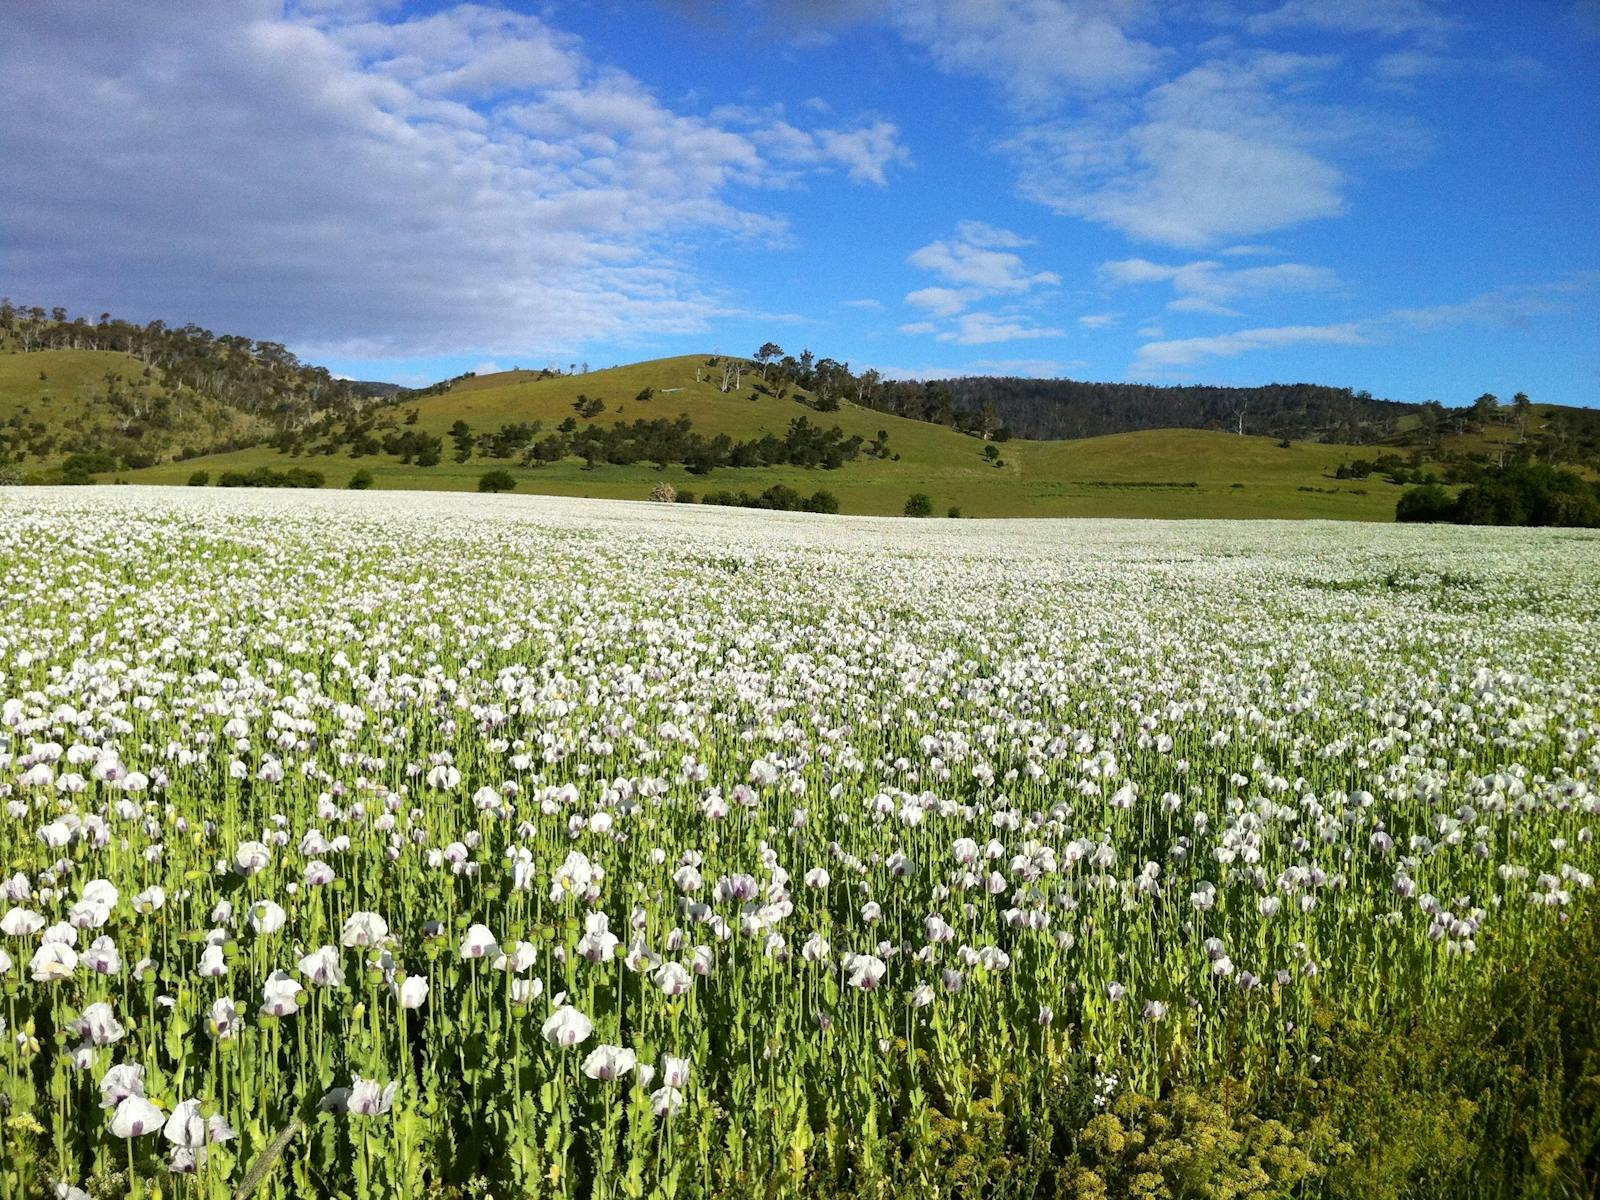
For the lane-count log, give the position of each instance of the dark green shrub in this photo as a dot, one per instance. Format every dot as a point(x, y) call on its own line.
point(496, 481)
point(1430, 502)
point(822, 502)
point(919, 504)
point(361, 480)
point(200, 479)
point(82, 467)
point(295, 477)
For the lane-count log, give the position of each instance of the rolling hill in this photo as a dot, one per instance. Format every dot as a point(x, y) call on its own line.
point(55, 403)
point(1158, 473)
point(117, 401)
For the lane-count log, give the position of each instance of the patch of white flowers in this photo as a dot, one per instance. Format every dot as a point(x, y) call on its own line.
point(477, 824)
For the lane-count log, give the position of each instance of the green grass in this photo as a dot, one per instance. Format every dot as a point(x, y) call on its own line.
point(55, 400)
point(1500, 437)
point(1124, 475)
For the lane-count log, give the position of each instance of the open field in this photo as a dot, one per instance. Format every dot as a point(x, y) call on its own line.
point(456, 845)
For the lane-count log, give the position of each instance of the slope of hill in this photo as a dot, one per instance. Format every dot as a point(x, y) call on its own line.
point(164, 379)
point(1165, 473)
point(1555, 433)
point(56, 403)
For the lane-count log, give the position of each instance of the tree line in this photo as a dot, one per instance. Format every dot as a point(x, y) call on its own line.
point(1523, 493)
point(254, 376)
point(998, 407)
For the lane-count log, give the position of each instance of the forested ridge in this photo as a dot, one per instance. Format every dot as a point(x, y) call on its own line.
point(1070, 408)
point(260, 378)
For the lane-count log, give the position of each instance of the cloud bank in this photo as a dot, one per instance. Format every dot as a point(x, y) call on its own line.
point(471, 179)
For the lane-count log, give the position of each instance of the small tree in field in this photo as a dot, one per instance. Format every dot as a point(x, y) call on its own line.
point(919, 504)
point(496, 481)
point(664, 493)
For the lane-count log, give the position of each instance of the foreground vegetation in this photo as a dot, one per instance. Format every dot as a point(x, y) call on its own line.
point(486, 846)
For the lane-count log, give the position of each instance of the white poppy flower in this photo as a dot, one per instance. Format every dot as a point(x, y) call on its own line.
point(478, 942)
point(98, 1025)
point(567, 1027)
point(363, 929)
point(609, 1062)
point(864, 971)
point(666, 1101)
point(673, 978)
point(266, 917)
point(322, 967)
point(53, 961)
point(280, 995)
point(120, 1082)
point(134, 1117)
point(412, 991)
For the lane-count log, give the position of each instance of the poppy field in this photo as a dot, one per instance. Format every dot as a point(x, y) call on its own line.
point(393, 844)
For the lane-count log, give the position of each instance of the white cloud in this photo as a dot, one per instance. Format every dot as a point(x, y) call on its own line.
point(1157, 356)
point(1208, 287)
point(978, 329)
point(1229, 149)
point(972, 259)
point(868, 305)
point(979, 259)
point(1386, 18)
point(1025, 368)
point(940, 302)
point(1098, 320)
point(1511, 307)
point(865, 152)
point(1034, 49)
point(353, 183)
point(917, 327)
point(1514, 307)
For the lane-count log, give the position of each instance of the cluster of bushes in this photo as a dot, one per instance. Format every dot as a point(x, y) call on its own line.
point(82, 467)
point(666, 442)
point(658, 440)
point(1392, 465)
point(294, 477)
point(778, 496)
point(366, 438)
point(1521, 494)
point(506, 442)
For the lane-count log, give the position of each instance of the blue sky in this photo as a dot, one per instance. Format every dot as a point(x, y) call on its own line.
point(1394, 195)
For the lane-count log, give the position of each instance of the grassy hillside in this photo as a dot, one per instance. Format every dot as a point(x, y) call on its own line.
point(1501, 436)
point(1164, 473)
point(54, 403)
